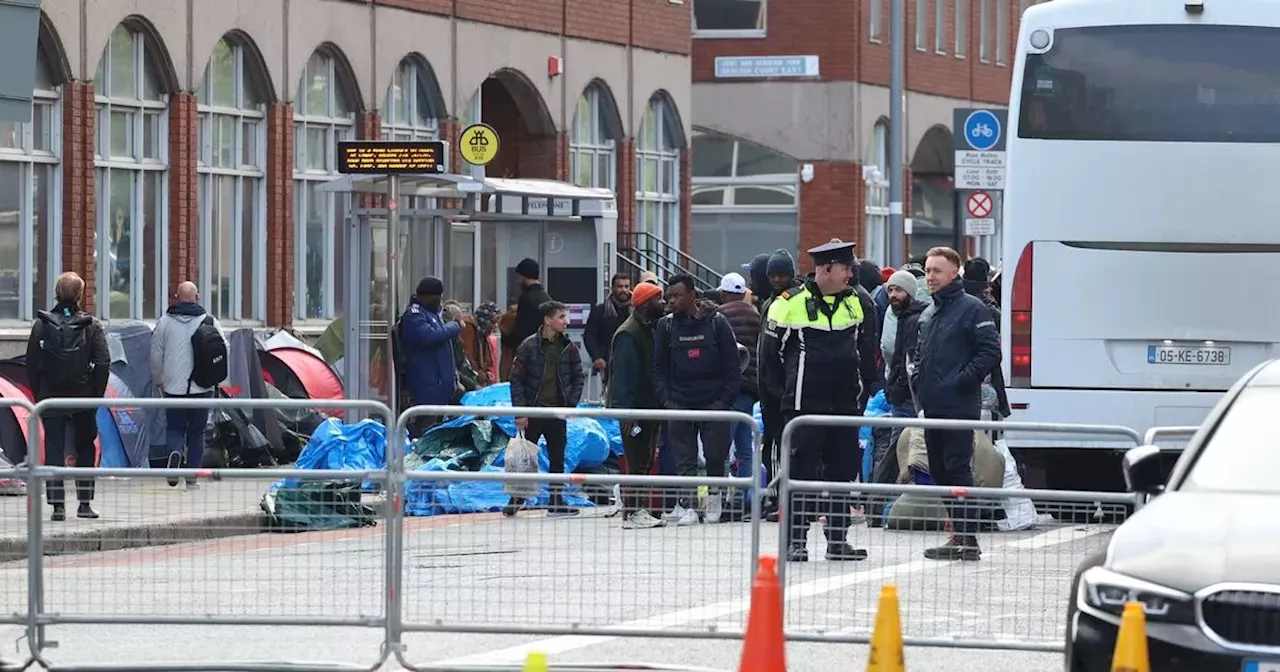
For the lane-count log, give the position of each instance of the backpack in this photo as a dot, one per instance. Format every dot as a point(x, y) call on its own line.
point(65, 353)
point(208, 355)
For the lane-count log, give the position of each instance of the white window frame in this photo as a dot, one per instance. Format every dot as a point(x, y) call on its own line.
point(28, 159)
point(962, 28)
point(875, 174)
point(592, 148)
point(667, 156)
point(922, 24)
point(875, 12)
point(729, 34)
point(1002, 32)
point(786, 183)
point(984, 31)
point(137, 167)
point(940, 27)
point(335, 129)
point(411, 76)
point(247, 177)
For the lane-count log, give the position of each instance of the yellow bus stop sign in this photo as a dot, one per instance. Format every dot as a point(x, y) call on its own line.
point(478, 144)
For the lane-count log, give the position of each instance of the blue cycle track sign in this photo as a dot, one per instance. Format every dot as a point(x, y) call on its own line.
point(980, 130)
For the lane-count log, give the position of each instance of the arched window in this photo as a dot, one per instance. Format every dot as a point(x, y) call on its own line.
point(875, 172)
point(592, 152)
point(744, 200)
point(658, 173)
point(132, 157)
point(407, 113)
point(232, 158)
point(323, 114)
point(30, 237)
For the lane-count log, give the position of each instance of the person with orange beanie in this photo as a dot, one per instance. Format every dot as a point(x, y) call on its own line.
point(631, 386)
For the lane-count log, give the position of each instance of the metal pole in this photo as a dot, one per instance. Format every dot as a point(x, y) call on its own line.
point(393, 273)
point(897, 49)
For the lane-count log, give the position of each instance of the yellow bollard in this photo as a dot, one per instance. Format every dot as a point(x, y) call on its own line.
point(536, 662)
point(887, 654)
point(1131, 641)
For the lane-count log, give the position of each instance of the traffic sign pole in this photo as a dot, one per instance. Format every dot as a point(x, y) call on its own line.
point(980, 137)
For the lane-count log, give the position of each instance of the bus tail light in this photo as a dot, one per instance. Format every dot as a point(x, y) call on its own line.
point(1021, 314)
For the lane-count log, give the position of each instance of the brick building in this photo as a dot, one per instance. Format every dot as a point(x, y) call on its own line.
point(185, 139)
point(830, 109)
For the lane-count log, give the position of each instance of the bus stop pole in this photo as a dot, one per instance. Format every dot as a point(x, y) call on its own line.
point(897, 221)
point(393, 276)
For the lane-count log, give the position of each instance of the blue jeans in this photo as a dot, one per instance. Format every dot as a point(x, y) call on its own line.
point(743, 440)
point(184, 430)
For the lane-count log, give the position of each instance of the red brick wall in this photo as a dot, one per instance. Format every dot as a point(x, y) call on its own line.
point(280, 215)
point(78, 185)
point(626, 187)
point(184, 231)
point(661, 26)
point(836, 31)
point(546, 16)
point(429, 6)
point(831, 206)
point(522, 154)
point(602, 20)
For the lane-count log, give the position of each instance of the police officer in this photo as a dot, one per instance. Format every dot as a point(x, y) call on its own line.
point(828, 349)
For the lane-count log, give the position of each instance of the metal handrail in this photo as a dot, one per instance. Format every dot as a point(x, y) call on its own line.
point(681, 254)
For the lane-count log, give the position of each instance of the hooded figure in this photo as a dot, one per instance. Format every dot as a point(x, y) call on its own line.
point(758, 278)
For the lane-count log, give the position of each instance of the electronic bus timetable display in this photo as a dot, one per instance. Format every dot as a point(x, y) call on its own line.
point(385, 157)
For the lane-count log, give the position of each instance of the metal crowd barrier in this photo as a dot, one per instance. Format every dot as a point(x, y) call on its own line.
point(229, 612)
point(1154, 434)
point(789, 491)
point(672, 583)
point(600, 605)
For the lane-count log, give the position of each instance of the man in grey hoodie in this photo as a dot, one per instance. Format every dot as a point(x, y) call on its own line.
point(172, 365)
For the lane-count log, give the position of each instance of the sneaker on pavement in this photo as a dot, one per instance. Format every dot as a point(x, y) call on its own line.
point(674, 515)
point(641, 520)
point(192, 486)
point(956, 548)
point(562, 512)
point(12, 487)
point(842, 551)
point(86, 511)
point(689, 517)
point(715, 506)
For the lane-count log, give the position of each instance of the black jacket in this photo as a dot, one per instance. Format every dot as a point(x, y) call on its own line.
point(526, 372)
point(631, 366)
point(99, 356)
point(770, 376)
point(959, 345)
point(897, 389)
point(602, 324)
point(528, 319)
point(695, 360)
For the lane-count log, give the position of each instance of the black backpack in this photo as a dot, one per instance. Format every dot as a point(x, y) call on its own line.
point(208, 355)
point(64, 351)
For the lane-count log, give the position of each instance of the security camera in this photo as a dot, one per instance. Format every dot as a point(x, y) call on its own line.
point(1193, 6)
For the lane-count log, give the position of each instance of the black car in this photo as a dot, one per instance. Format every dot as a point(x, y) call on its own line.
point(1203, 554)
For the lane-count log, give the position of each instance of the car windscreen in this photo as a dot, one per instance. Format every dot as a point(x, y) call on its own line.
point(1243, 453)
point(1155, 83)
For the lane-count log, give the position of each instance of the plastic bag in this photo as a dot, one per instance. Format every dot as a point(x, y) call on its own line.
point(521, 458)
point(1019, 512)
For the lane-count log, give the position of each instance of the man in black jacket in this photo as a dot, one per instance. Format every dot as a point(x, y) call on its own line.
point(67, 356)
point(547, 372)
point(632, 387)
point(603, 322)
point(781, 271)
point(901, 290)
point(959, 345)
point(532, 296)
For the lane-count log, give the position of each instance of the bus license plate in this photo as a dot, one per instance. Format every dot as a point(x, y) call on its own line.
point(1172, 354)
point(1260, 666)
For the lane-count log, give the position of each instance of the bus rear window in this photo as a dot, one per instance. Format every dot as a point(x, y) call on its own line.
point(1154, 83)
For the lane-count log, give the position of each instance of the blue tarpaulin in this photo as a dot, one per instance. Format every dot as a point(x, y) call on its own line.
point(356, 447)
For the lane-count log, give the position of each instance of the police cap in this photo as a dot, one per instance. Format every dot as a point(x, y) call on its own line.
point(834, 252)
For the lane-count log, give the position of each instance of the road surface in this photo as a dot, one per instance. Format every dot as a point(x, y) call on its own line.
point(485, 570)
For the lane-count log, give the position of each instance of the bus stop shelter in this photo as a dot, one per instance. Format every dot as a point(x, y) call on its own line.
point(470, 233)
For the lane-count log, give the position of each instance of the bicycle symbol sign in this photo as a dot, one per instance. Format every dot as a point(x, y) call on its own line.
point(982, 130)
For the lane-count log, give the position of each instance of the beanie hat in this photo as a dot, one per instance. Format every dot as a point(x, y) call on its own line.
point(644, 293)
point(430, 286)
point(914, 269)
point(905, 281)
point(977, 270)
point(780, 262)
point(527, 268)
point(758, 276)
point(869, 275)
point(885, 273)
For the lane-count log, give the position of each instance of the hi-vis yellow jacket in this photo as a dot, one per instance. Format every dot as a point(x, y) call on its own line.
point(827, 345)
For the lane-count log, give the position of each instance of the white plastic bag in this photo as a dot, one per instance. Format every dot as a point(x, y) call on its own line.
point(521, 458)
point(1019, 512)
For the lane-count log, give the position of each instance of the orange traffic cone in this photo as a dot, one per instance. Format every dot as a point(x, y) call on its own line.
point(887, 654)
point(764, 646)
point(1131, 641)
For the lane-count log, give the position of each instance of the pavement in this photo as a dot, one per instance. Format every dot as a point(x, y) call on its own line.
point(486, 573)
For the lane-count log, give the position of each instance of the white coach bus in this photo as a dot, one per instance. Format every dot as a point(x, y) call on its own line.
point(1141, 204)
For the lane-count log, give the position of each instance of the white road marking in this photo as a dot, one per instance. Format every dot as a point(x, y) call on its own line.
point(720, 610)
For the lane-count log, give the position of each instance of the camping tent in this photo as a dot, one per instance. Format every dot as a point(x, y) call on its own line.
point(13, 423)
point(301, 375)
point(245, 381)
point(141, 431)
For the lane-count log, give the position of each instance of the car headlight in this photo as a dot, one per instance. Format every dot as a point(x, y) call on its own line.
point(1108, 591)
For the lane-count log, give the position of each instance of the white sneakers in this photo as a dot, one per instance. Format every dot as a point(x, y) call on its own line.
point(641, 520)
point(715, 507)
